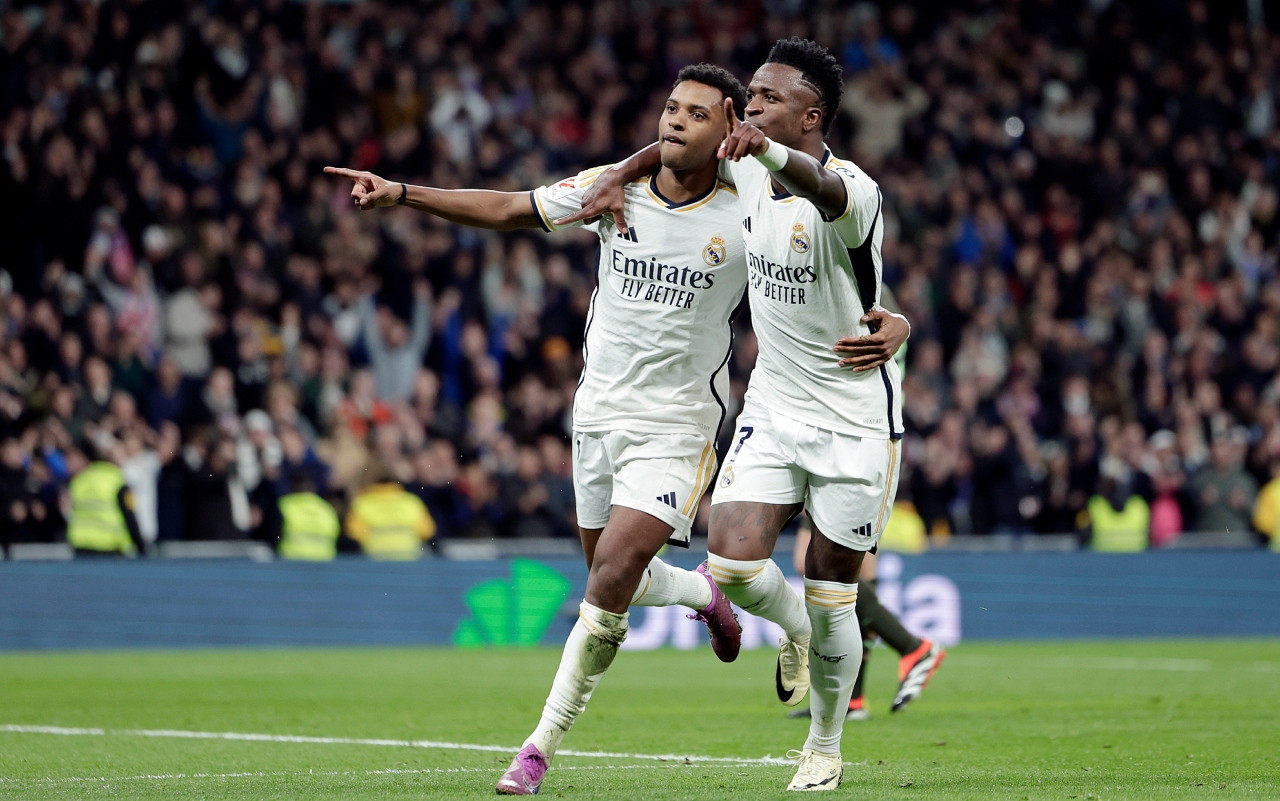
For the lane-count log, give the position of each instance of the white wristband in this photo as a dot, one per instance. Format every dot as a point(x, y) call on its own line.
point(774, 157)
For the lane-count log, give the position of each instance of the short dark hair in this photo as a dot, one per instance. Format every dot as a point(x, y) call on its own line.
point(818, 69)
point(719, 78)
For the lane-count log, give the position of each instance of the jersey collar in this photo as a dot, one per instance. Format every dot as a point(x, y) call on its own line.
point(671, 204)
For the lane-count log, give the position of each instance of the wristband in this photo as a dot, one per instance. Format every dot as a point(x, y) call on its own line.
point(775, 157)
point(404, 192)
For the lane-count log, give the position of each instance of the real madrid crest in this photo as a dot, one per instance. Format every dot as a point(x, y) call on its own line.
point(726, 475)
point(799, 239)
point(714, 253)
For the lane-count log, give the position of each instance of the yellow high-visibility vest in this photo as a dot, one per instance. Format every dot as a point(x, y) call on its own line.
point(390, 522)
point(311, 528)
point(1125, 531)
point(905, 532)
point(97, 523)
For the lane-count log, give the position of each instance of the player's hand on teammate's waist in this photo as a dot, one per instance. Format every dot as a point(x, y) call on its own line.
point(370, 191)
point(868, 352)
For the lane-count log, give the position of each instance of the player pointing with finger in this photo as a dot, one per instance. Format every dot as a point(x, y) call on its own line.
point(812, 434)
point(648, 408)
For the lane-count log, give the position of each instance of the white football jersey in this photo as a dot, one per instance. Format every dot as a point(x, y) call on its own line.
point(658, 336)
point(810, 280)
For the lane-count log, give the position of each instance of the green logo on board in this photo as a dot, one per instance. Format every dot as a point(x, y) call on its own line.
point(516, 612)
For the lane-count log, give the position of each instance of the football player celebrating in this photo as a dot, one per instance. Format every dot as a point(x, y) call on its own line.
point(648, 407)
point(812, 434)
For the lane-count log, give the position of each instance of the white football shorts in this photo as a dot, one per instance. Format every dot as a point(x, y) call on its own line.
point(663, 475)
point(847, 483)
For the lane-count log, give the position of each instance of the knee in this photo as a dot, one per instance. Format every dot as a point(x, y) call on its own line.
point(731, 574)
point(617, 572)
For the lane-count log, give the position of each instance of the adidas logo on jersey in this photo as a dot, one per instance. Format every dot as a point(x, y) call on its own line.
point(630, 235)
point(669, 499)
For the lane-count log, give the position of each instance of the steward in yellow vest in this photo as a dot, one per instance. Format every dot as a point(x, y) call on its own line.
point(1266, 509)
point(1124, 530)
point(309, 527)
point(390, 522)
point(101, 520)
point(905, 531)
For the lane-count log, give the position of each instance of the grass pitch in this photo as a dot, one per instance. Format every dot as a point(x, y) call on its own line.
point(1103, 720)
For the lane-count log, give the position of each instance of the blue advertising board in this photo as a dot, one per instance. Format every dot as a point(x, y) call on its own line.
point(524, 602)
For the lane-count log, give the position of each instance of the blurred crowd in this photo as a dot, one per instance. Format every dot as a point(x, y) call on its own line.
point(1082, 224)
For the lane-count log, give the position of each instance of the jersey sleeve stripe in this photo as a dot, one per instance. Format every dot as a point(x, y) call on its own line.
point(540, 212)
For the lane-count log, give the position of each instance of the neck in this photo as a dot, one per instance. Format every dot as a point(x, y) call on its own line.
point(681, 185)
point(809, 144)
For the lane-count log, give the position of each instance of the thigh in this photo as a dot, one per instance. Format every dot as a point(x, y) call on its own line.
point(828, 560)
point(626, 545)
point(760, 487)
point(589, 538)
point(747, 530)
point(661, 475)
point(852, 485)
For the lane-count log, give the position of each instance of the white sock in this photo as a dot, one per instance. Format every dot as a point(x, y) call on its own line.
point(588, 652)
point(835, 655)
point(760, 588)
point(664, 585)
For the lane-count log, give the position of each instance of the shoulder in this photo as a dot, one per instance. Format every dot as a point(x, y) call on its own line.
point(853, 174)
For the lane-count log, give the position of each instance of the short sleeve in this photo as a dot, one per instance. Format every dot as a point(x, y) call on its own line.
point(553, 201)
point(735, 172)
point(862, 206)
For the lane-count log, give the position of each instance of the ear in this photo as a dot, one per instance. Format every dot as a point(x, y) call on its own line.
point(811, 120)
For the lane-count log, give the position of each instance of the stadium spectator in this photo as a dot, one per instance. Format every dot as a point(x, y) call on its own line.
point(1224, 492)
point(1093, 194)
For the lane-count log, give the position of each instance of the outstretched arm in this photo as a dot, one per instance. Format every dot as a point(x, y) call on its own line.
point(801, 174)
point(478, 208)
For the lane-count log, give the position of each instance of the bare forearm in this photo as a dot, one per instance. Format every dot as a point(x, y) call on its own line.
point(804, 176)
point(477, 208)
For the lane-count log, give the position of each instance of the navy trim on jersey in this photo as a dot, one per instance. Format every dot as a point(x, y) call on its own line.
point(894, 433)
point(591, 316)
point(786, 193)
point(864, 267)
point(671, 204)
point(724, 411)
point(864, 275)
point(533, 198)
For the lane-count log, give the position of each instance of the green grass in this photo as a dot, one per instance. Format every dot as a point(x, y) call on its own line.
point(1145, 719)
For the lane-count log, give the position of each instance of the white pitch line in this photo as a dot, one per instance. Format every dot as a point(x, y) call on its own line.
point(66, 731)
point(152, 777)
